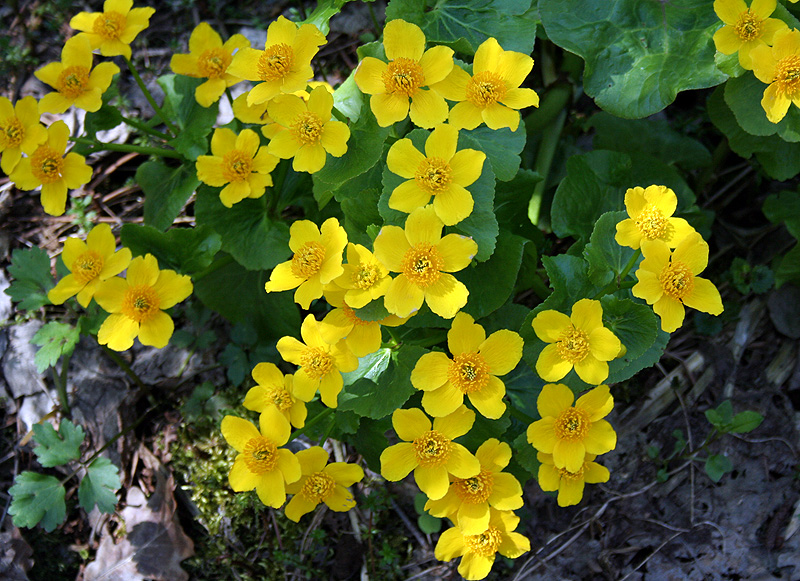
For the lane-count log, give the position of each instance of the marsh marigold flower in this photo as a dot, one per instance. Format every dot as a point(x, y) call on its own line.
point(321, 482)
point(492, 95)
point(273, 389)
point(405, 77)
point(746, 27)
point(650, 210)
point(424, 260)
point(284, 66)
point(89, 264)
point(668, 280)
point(321, 364)
point(237, 162)
point(569, 433)
point(580, 341)
point(478, 552)
point(114, 29)
point(429, 450)
point(305, 131)
point(74, 80)
point(209, 58)
point(20, 131)
point(468, 500)
point(52, 169)
point(252, 114)
point(137, 304)
point(317, 260)
point(477, 361)
point(364, 278)
point(779, 67)
point(261, 463)
point(441, 172)
point(569, 485)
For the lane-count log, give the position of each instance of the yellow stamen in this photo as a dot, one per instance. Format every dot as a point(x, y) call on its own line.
point(260, 455)
point(316, 362)
point(485, 88)
point(236, 166)
point(432, 448)
point(140, 303)
point(47, 164)
point(318, 487)
point(475, 490)
point(677, 280)
point(484, 544)
point(433, 175)
point(403, 75)
point(280, 398)
point(307, 128)
point(652, 223)
point(87, 266)
point(468, 372)
point(213, 62)
point(748, 27)
point(787, 75)
point(275, 62)
point(572, 424)
point(110, 25)
point(73, 82)
point(366, 276)
point(422, 264)
point(12, 132)
point(573, 345)
point(308, 259)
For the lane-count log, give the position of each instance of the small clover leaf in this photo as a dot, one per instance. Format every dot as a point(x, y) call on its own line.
point(36, 497)
point(56, 339)
point(57, 448)
point(99, 486)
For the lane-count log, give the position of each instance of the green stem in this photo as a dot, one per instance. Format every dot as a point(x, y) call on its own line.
point(393, 334)
point(340, 116)
point(61, 384)
point(100, 146)
point(327, 431)
point(172, 129)
point(311, 423)
point(277, 187)
point(521, 416)
point(620, 281)
point(544, 159)
point(144, 128)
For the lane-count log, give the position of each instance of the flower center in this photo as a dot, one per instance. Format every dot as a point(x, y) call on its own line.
point(432, 448)
point(318, 487)
point(485, 88)
point(366, 276)
point(46, 164)
point(214, 62)
point(308, 259)
point(353, 318)
point(260, 455)
point(12, 132)
point(749, 26)
point(652, 223)
point(564, 473)
point(72, 81)
point(475, 490)
point(307, 128)
point(572, 424)
point(677, 280)
point(140, 303)
point(468, 372)
point(421, 264)
point(275, 62)
point(109, 25)
point(573, 345)
point(787, 75)
point(433, 175)
point(484, 544)
point(403, 75)
point(316, 362)
point(236, 166)
point(280, 398)
point(87, 266)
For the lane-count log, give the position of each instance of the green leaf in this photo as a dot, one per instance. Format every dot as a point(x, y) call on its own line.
point(372, 311)
point(325, 10)
point(784, 207)
point(236, 362)
point(525, 454)
point(743, 95)
point(789, 268)
point(186, 250)
point(57, 448)
point(56, 339)
point(729, 64)
point(99, 486)
point(465, 24)
point(501, 146)
point(105, 118)
point(30, 271)
point(639, 329)
point(638, 55)
point(745, 421)
point(370, 367)
point(427, 524)
point(248, 233)
point(606, 258)
point(166, 190)
point(370, 440)
point(509, 197)
point(484, 429)
point(36, 497)
point(194, 121)
point(717, 465)
point(358, 199)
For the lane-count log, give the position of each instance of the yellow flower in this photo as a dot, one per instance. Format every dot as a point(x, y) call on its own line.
point(305, 131)
point(317, 260)
point(20, 131)
point(468, 500)
point(261, 464)
point(239, 162)
point(745, 28)
point(321, 482)
point(113, 30)
point(429, 450)
point(492, 95)
point(50, 168)
point(74, 80)
point(568, 484)
point(668, 280)
point(89, 263)
point(284, 66)
point(569, 433)
point(364, 278)
point(650, 212)
point(209, 58)
point(779, 67)
point(137, 304)
point(477, 361)
point(442, 172)
point(253, 114)
point(411, 68)
point(273, 389)
point(321, 364)
point(580, 341)
point(478, 552)
point(424, 260)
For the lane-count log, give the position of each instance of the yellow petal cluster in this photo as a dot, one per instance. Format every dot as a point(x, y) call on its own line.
point(114, 29)
point(273, 389)
point(20, 131)
point(746, 27)
point(779, 67)
point(650, 210)
point(569, 485)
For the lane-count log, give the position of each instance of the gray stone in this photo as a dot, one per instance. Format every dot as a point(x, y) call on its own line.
point(5, 300)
